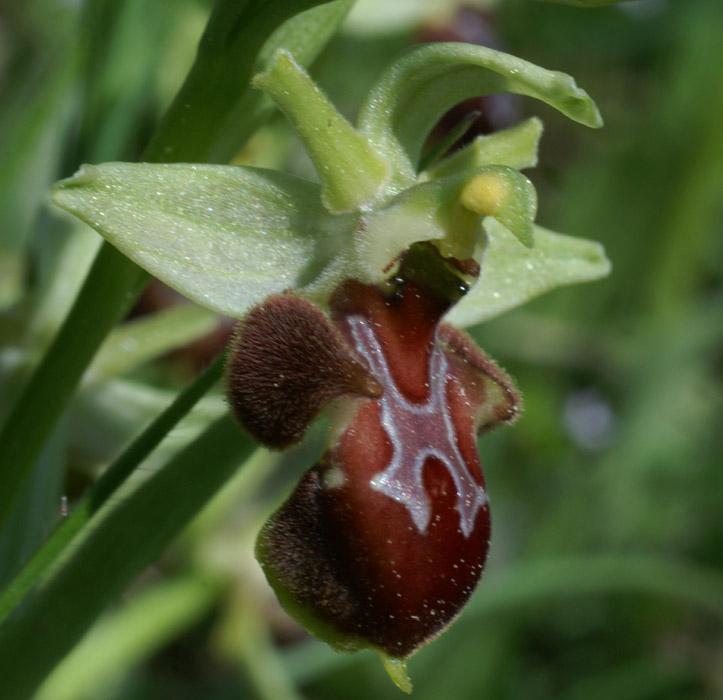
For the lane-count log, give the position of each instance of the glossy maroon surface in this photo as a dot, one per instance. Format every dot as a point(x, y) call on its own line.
point(385, 539)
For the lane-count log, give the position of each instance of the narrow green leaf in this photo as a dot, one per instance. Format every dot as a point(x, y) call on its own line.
point(121, 542)
point(351, 171)
point(38, 408)
point(225, 237)
point(515, 147)
point(417, 89)
point(512, 274)
point(36, 510)
point(219, 78)
point(107, 415)
point(244, 636)
point(39, 68)
point(230, 31)
point(101, 491)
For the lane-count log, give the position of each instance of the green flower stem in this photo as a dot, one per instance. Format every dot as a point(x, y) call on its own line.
point(235, 33)
point(112, 478)
point(120, 543)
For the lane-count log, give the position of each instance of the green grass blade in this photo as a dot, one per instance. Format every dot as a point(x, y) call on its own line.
point(147, 337)
point(228, 49)
point(99, 493)
point(56, 377)
point(235, 34)
point(123, 541)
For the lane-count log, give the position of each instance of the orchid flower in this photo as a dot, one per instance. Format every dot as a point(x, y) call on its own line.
point(349, 293)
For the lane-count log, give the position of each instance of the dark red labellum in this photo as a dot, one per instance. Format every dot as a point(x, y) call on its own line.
point(384, 540)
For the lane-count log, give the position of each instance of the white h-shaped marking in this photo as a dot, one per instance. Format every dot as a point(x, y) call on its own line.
point(418, 431)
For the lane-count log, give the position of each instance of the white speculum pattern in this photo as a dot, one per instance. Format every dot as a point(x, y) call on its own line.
point(418, 431)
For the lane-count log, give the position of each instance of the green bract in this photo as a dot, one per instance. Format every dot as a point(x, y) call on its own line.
point(227, 237)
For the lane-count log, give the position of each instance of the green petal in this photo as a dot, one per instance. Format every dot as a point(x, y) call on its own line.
point(416, 90)
point(352, 173)
point(223, 236)
point(515, 147)
point(512, 275)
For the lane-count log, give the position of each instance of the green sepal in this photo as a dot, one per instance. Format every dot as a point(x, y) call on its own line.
point(515, 147)
point(418, 88)
point(512, 275)
point(352, 173)
point(225, 237)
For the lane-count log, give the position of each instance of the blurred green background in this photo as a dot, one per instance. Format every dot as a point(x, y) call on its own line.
point(605, 573)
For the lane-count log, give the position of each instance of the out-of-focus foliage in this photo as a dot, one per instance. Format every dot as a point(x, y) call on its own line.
point(607, 497)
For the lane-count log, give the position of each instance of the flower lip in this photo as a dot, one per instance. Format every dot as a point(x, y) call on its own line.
point(385, 538)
